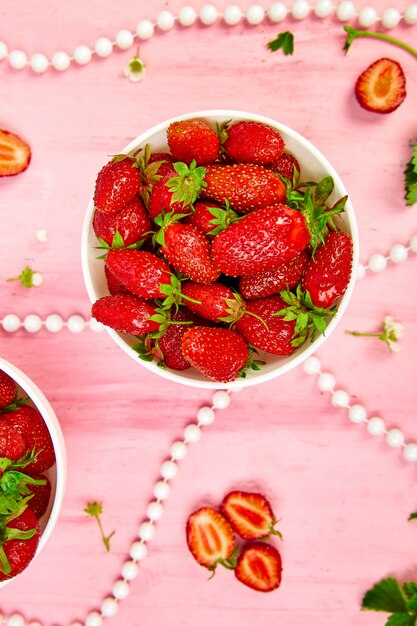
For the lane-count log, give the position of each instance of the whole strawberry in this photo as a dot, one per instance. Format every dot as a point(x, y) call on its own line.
point(131, 222)
point(177, 190)
point(117, 184)
point(125, 313)
point(12, 445)
point(168, 347)
point(247, 187)
point(251, 142)
point(267, 283)
point(40, 500)
point(193, 140)
point(328, 272)
point(114, 285)
point(287, 166)
point(215, 302)
point(218, 353)
point(160, 198)
point(141, 272)
point(261, 241)
point(19, 538)
point(210, 218)
point(7, 389)
point(29, 423)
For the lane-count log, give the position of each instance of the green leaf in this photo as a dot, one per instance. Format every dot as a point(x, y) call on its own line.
point(410, 589)
point(412, 603)
point(387, 596)
point(401, 619)
point(93, 509)
point(284, 41)
point(410, 175)
point(187, 185)
point(323, 190)
point(117, 242)
point(412, 516)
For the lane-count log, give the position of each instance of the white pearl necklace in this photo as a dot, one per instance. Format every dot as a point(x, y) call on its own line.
point(208, 15)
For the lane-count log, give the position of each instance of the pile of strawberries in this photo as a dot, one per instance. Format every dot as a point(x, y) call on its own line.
point(212, 541)
point(216, 250)
point(26, 452)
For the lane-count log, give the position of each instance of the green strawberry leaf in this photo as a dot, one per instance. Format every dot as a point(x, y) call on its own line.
point(410, 589)
point(284, 41)
point(387, 596)
point(187, 185)
point(412, 603)
point(412, 516)
point(95, 509)
point(323, 191)
point(401, 619)
point(410, 179)
point(117, 242)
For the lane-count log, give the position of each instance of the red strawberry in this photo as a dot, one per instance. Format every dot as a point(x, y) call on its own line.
point(267, 283)
point(125, 313)
point(381, 87)
point(29, 423)
point(210, 538)
point(215, 302)
point(247, 187)
point(42, 493)
point(168, 347)
point(259, 567)
point(161, 156)
point(18, 543)
point(142, 273)
point(252, 142)
point(249, 514)
point(132, 222)
point(117, 184)
point(161, 197)
point(8, 389)
point(15, 154)
point(115, 286)
point(12, 444)
point(277, 337)
point(261, 241)
point(328, 272)
point(286, 165)
point(193, 140)
point(218, 353)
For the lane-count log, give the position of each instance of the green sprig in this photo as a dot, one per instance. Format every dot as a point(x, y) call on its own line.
point(410, 179)
point(353, 33)
point(284, 41)
point(95, 509)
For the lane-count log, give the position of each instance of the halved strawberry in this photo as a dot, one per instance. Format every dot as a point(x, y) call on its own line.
point(249, 514)
point(210, 539)
point(259, 567)
point(15, 154)
point(381, 87)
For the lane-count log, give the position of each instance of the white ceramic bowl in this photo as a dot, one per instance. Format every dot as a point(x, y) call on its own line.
point(57, 473)
point(314, 166)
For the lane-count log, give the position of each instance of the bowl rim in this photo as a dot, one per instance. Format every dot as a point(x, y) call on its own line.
point(142, 139)
point(55, 431)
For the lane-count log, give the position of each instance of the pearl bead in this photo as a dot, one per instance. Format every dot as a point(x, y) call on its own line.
point(206, 416)
point(277, 12)
point(76, 324)
point(161, 490)
point(169, 470)
point(124, 39)
point(138, 550)
point(82, 55)
point(367, 17)
point(395, 437)
point(340, 398)
point(155, 511)
point(377, 263)
point(10, 323)
point(95, 326)
point(232, 14)
point(208, 14)
point(187, 16)
point(345, 11)
point(300, 9)
point(3, 50)
point(15, 620)
point(376, 426)
point(312, 365)
point(357, 413)
point(145, 29)
point(410, 14)
point(221, 399)
point(42, 235)
point(165, 20)
point(361, 271)
point(410, 452)
point(32, 323)
point(326, 382)
point(39, 63)
point(130, 570)
point(33, 623)
point(121, 589)
point(323, 8)
point(61, 61)
point(390, 18)
point(398, 253)
point(413, 243)
point(146, 531)
point(103, 47)
point(37, 279)
point(17, 59)
point(93, 619)
point(178, 450)
point(255, 14)
point(192, 433)
point(109, 607)
point(54, 323)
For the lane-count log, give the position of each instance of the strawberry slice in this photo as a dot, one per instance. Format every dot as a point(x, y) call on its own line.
point(15, 154)
point(381, 87)
point(259, 567)
point(249, 514)
point(210, 539)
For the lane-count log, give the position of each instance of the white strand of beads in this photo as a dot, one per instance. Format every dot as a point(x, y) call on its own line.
point(357, 413)
point(54, 323)
point(207, 15)
point(398, 253)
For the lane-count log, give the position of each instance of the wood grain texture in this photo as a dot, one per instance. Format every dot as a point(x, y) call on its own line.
point(343, 497)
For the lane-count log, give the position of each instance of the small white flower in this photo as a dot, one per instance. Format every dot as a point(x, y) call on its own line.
point(135, 69)
point(391, 332)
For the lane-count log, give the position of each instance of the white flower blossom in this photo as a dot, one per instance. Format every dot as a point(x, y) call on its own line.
point(392, 331)
point(135, 69)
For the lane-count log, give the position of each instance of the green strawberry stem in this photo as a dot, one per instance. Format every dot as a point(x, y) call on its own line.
point(15, 406)
point(95, 509)
point(358, 334)
point(354, 33)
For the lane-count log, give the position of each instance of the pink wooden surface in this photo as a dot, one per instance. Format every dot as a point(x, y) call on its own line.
point(343, 496)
